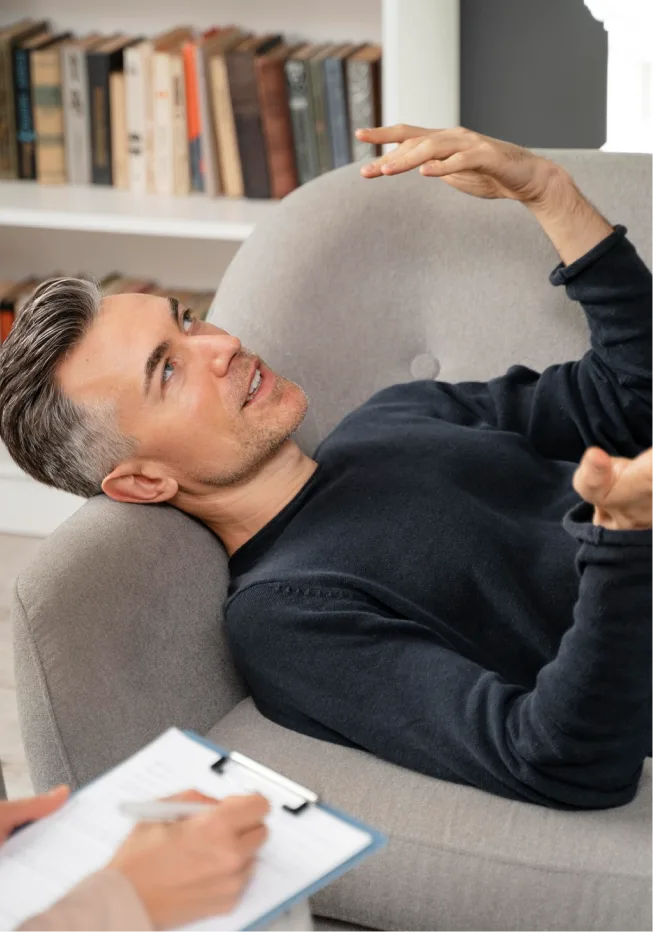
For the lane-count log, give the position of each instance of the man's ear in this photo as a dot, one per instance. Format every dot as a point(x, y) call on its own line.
point(139, 484)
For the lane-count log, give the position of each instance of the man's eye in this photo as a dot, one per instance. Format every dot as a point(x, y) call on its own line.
point(168, 369)
point(187, 321)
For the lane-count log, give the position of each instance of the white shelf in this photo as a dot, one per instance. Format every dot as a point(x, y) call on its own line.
point(94, 208)
point(28, 507)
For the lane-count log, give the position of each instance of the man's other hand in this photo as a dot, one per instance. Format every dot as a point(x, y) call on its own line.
point(619, 489)
point(469, 161)
point(17, 812)
point(196, 867)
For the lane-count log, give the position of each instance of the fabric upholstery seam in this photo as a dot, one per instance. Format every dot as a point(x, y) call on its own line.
point(45, 688)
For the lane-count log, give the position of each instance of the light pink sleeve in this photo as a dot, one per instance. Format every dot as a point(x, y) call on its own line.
point(104, 901)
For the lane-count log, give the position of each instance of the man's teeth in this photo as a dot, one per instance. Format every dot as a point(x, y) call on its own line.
point(253, 388)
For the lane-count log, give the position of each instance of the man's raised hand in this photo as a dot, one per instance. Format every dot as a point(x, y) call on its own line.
point(619, 489)
point(468, 161)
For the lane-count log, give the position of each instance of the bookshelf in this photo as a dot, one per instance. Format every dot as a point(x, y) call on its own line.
point(194, 238)
point(96, 209)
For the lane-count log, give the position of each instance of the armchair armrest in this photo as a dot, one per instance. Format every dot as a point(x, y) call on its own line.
point(118, 635)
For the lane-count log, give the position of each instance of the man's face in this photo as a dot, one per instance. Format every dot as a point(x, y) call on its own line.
point(181, 387)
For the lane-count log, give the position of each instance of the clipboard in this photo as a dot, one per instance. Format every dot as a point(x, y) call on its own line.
point(309, 846)
point(301, 799)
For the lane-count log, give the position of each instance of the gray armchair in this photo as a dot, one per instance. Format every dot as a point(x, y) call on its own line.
point(350, 286)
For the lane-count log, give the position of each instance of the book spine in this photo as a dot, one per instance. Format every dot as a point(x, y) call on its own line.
point(231, 173)
point(336, 109)
point(99, 107)
point(277, 131)
point(8, 162)
point(25, 135)
point(48, 117)
point(301, 116)
point(319, 114)
point(117, 107)
point(76, 115)
point(6, 323)
point(164, 180)
point(251, 145)
point(361, 107)
point(137, 99)
point(208, 155)
point(190, 53)
point(181, 166)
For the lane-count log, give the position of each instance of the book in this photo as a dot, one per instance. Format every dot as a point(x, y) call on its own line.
point(189, 52)
point(24, 290)
point(180, 153)
point(300, 101)
point(77, 120)
point(241, 72)
point(208, 164)
point(165, 111)
point(118, 121)
point(13, 296)
point(10, 37)
point(25, 133)
point(229, 166)
point(275, 119)
point(364, 96)
point(337, 111)
point(317, 84)
point(45, 66)
point(208, 153)
point(139, 115)
point(103, 60)
point(6, 308)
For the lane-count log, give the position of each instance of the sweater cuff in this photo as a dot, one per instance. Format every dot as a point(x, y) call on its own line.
point(578, 523)
point(564, 273)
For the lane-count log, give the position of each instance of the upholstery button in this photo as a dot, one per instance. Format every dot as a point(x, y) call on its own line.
point(424, 366)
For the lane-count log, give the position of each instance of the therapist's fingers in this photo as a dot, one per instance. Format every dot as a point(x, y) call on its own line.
point(16, 812)
point(240, 814)
point(191, 796)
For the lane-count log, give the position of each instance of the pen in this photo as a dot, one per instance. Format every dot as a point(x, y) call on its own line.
point(162, 811)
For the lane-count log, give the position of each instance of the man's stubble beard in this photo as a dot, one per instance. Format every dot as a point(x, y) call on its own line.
point(261, 442)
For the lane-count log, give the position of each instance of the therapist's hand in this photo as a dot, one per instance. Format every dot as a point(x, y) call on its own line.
point(195, 867)
point(17, 812)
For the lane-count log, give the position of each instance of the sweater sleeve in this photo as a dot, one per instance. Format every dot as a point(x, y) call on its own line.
point(104, 901)
point(328, 664)
point(603, 399)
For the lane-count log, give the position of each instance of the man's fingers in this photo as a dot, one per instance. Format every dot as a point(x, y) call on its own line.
point(465, 160)
point(374, 169)
point(440, 147)
point(593, 478)
point(381, 135)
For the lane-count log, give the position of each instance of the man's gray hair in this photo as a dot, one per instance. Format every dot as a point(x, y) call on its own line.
point(66, 445)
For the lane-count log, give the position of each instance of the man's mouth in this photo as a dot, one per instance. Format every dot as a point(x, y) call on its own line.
point(254, 385)
point(261, 382)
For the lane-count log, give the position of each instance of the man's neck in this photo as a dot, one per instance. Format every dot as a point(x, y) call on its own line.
point(237, 514)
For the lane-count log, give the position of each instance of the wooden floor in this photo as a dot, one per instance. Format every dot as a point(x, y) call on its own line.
point(14, 552)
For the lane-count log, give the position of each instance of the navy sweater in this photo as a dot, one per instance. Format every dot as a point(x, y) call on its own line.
point(437, 594)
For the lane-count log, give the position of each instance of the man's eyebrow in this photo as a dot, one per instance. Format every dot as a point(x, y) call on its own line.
point(160, 351)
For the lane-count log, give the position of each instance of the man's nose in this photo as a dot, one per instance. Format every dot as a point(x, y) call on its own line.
point(220, 349)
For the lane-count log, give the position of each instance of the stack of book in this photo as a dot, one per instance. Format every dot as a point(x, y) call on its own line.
point(223, 113)
point(15, 294)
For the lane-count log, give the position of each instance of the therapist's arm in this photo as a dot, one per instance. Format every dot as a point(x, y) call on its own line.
point(105, 900)
point(165, 875)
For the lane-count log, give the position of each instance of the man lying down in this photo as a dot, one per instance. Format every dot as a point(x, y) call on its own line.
point(459, 579)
